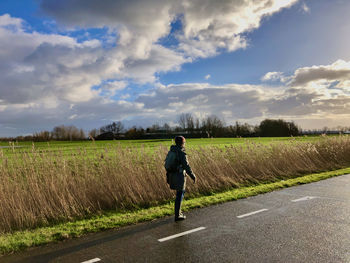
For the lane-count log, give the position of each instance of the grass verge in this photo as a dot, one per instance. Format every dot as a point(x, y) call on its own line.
point(20, 240)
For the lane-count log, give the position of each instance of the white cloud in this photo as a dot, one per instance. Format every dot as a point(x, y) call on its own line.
point(273, 76)
point(160, 59)
point(27, 118)
point(38, 66)
point(110, 88)
point(244, 101)
point(313, 100)
point(339, 70)
point(316, 91)
point(305, 8)
point(310, 93)
point(124, 96)
point(72, 117)
point(141, 23)
point(219, 25)
point(50, 79)
point(8, 21)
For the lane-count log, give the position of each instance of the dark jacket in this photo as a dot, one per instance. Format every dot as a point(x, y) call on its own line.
point(177, 180)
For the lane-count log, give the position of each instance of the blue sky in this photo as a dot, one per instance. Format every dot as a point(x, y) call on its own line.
point(285, 41)
point(88, 63)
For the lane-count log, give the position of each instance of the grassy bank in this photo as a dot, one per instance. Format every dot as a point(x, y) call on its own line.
point(20, 240)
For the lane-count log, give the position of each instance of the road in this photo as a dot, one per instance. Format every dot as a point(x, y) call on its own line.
point(306, 223)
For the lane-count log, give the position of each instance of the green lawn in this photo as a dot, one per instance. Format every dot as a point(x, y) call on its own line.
point(74, 149)
point(68, 146)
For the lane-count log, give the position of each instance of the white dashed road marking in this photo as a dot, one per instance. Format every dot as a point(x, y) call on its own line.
point(181, 234)
point(252, 213)
point(92, 260)
point(305, 198)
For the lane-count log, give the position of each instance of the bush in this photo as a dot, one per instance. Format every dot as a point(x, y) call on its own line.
point(278, 128)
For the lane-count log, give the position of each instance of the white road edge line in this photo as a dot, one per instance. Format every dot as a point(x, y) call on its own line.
point(92, 260)
point(253, 213)
point(181, 234)
point(305, 198)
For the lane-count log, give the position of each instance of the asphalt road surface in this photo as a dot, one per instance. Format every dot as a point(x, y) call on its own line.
point(307, 223)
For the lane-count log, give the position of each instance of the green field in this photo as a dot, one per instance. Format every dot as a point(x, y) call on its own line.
point(90, 146)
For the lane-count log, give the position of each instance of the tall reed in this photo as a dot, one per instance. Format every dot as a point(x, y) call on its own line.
point(41, 187)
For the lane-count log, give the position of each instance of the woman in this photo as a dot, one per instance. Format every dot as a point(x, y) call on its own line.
point(177, 178)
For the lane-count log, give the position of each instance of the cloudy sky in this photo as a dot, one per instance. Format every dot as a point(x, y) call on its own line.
point(88, 63)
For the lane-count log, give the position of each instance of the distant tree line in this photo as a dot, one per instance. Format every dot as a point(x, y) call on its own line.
point(191, 127)
point(59, 133)
point(188, 125)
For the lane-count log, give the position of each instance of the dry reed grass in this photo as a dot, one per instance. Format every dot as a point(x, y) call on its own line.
point(42, 187)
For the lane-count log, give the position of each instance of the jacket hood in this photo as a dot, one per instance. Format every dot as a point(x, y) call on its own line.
point(175, 148)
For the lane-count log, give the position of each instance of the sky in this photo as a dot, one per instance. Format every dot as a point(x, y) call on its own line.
point(88, 63)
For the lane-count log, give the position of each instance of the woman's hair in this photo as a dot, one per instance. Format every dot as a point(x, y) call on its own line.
point(180, 140)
